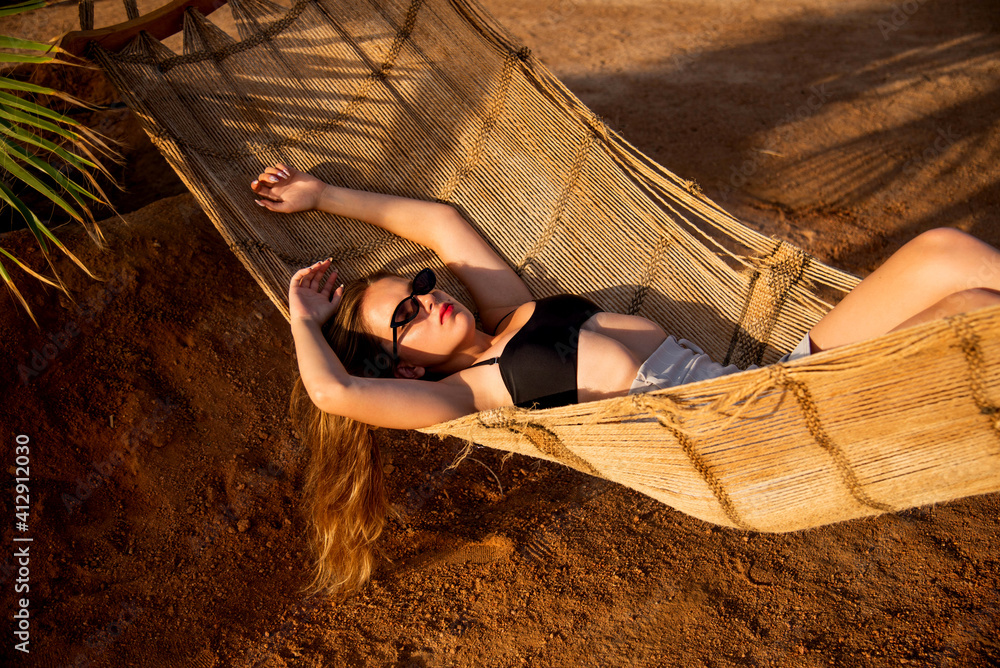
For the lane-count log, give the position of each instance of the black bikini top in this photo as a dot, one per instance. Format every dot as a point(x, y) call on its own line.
point(538, 364)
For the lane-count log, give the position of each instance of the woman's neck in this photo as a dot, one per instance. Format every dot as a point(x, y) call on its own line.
point(464, 357)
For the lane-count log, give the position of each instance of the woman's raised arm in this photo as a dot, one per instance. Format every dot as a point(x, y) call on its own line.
point(310, 304)
point(287, 190)
point(495, 287)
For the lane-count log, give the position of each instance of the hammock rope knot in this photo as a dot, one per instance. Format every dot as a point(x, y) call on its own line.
point(968, 341)
point(660, 407)
point(520, 422)
point(810, 413)
point(772, 279)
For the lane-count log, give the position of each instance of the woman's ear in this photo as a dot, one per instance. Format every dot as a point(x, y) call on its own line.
point(409, 371)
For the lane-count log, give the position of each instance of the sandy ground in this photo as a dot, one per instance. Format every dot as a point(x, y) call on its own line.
point(165, 477)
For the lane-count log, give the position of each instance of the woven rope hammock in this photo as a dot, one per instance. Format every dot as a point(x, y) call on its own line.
point(433, 99)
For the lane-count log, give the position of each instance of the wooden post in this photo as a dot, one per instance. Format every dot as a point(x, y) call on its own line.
point(161, 23)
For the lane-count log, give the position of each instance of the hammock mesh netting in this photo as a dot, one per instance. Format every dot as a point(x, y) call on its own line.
point(432, 99)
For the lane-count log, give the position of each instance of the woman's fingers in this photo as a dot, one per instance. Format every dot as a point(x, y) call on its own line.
point(337, 295)
point(273, 175)
point(297, 277)
point(276, 174)
point(304, 271)
point(305, 296)
point(330, 282)
point(311, 277)
point(270, 176)
point(262, 188)
point(316, 276)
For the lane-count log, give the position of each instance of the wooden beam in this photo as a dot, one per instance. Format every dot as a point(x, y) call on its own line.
point(161, 23)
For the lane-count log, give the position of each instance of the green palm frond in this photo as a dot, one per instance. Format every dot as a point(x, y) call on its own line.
point(11, 84)
point(19, 7)
point(48, 152)
point(7, 42)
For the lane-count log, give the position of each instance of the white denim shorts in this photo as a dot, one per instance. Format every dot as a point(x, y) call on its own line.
point(677, 362)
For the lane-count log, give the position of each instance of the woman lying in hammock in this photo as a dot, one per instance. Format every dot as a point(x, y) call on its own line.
point(364, 349)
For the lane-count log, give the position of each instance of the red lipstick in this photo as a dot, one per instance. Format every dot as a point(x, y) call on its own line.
point(445, 310)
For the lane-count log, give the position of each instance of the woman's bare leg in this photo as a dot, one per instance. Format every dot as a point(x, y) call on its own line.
point(960, 302)
point(935, 273)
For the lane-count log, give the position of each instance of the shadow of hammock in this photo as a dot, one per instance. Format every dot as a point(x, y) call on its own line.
point(721, 106)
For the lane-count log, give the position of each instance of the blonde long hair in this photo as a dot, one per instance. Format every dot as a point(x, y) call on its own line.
point(345, 496)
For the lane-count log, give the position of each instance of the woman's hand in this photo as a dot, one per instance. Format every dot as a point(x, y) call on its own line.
point(287, 190)
point(307, 300)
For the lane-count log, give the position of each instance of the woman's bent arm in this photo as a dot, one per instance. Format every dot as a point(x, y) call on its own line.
point(494, 286)
point(417, 220)
point(286, 190)
point(319, 367)
point(397, 403)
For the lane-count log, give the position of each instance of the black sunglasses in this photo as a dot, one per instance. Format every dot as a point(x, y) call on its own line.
point(409, 308)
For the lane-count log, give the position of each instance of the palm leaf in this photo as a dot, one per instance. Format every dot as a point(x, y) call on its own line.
point(41, 232)
point(19, 154)
point(24, 112)
point(74, 189)
point(79, 163)
point(7, 42)
point(38, 110)
point(18, 58)
point(35, 225)
point(19, 7)
point(79, 194)
point(16, 116)
point(17, 171)
point(28, 269)
point(82, 143)
point(37, 229)
point(12, 84)
point(7, 281)
point(73, 159)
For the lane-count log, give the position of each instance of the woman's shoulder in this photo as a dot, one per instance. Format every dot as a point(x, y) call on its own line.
point(484, 384)
point(514, 318)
